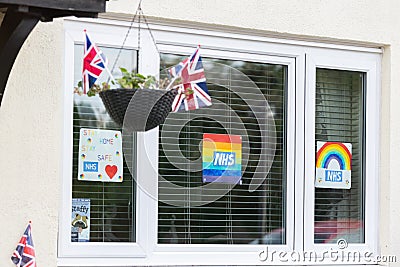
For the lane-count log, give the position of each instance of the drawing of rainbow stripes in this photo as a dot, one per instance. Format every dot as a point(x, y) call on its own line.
point(333, 165)
point(222, 158)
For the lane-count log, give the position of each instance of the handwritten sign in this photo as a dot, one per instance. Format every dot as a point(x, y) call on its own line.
point(222, 158)
point(333, 165)
point(100, 156)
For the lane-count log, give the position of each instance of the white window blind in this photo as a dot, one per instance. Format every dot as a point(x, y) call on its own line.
point(339, 213)
point(240, 216)
point(112, 205)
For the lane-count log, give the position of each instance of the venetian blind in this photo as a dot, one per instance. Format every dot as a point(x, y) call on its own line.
point(112, 205)
point(240, 216)
point(339, 213)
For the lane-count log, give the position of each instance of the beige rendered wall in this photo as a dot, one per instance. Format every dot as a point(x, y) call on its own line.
point(30, 143)
point(31, 113)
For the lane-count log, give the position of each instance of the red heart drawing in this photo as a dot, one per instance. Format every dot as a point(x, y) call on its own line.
point(111, 170)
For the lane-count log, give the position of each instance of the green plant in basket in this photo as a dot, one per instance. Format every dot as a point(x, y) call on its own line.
point(94, 90)
point(129, 80)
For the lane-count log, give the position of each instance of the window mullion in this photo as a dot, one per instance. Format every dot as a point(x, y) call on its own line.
point(299, 158)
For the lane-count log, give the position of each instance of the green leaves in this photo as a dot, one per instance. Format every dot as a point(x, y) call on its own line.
point(132, 79)
point(98, 88)
point(129, 80)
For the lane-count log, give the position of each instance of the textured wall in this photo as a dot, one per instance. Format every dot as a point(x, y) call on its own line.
point(30, 138)
point(364, 20)
point(31, 113)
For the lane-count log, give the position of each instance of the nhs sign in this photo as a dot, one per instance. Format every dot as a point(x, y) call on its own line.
point(224, 158)
point(333, 176)
point(90, 166)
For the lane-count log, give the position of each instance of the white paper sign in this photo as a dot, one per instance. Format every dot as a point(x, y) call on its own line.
point(100, 155)
point(333, 165)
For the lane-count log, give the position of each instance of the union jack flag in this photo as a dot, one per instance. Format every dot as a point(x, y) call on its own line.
point(192, 91)
point(24, 254)
point(94, 62)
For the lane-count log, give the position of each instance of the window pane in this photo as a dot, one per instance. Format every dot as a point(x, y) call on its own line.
point(240, 216)
point(112, 205)
point(339, 213)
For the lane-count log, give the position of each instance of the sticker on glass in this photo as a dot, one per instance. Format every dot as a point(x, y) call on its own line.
point(222, 158)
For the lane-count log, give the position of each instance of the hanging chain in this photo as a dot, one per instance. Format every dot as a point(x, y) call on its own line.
point(164, 68)
point(151, 34)
point(138, 14)
point(126, 36)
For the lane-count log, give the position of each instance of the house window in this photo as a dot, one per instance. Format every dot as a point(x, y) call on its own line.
point(112, 205)
point(237, 216)
point(343, 97)
point(280, 99)
point(339, 117)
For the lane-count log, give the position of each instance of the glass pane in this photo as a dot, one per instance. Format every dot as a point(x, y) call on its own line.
point(112, 205)
point(239, 216)
point(339, 213)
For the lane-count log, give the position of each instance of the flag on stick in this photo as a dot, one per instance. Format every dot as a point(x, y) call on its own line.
point(192, 91)
point(94, 62)
point(24, 254)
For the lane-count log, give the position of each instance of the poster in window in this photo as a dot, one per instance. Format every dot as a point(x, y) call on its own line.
point(100, 155)
point(80, 220)
point(333, 165)
point(222, 158)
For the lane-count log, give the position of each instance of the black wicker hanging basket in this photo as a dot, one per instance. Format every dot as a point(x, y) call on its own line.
point(138, 109)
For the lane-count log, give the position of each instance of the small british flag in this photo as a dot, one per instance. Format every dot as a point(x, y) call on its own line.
point(24, 254)
point(94, 62)
point(192, 91)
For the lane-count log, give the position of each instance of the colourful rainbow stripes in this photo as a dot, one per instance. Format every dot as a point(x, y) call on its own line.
point(222, 158)
point(334, 151)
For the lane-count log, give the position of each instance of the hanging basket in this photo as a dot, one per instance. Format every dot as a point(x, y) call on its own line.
point(148, 108)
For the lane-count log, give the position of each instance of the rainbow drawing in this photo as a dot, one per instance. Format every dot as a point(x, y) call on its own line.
point(334, 151)
point(222, 158)
point(333, 165)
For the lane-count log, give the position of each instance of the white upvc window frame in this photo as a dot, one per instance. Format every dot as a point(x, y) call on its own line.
point(369, 64)
point(227, 254)
point(114, 37)
point(301, 58)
